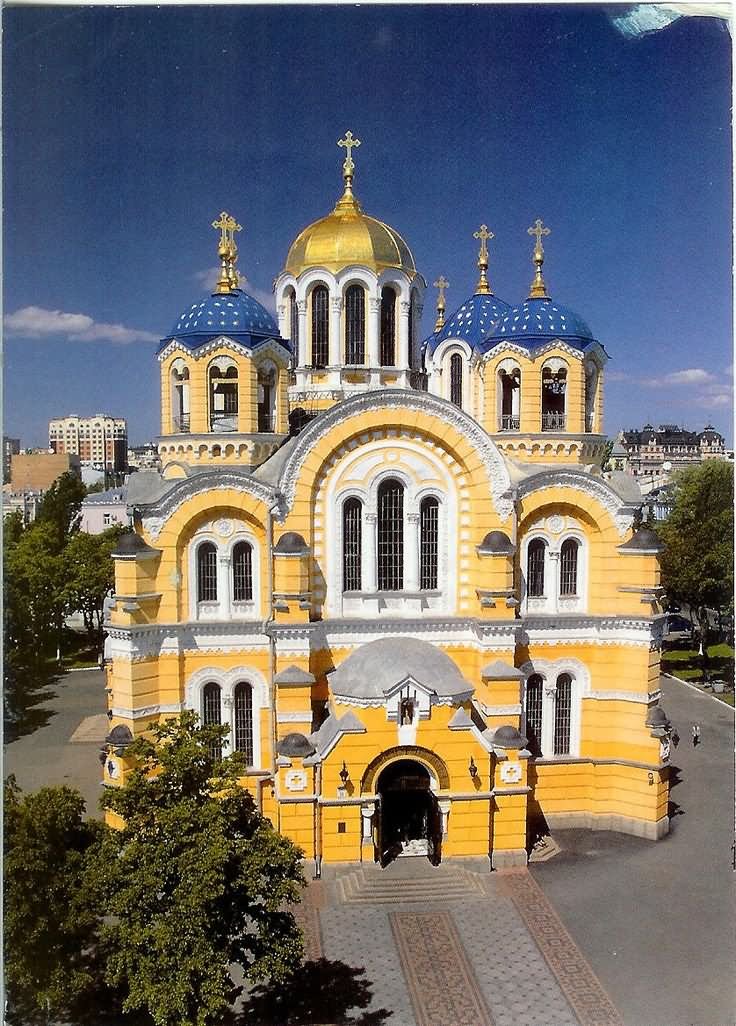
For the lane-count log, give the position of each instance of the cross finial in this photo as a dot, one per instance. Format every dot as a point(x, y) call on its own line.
point(483, 287)
point(538, 288)
point(227, 252)
point(348, 166)
point(442, 283)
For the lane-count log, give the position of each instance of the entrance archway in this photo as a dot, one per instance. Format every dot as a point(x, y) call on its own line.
point(410, 820)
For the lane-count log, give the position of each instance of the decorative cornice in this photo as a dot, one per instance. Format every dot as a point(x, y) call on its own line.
point(534, 352)
point(640, 697)
point(270, 344)
point(144, 711)
point(399, 399)
point(621, 512)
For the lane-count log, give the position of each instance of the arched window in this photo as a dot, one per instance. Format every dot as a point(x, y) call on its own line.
point(428, 541)
point(320, 326)
point(563, 714)
point(569, 567)
point(207, 573)
point(591, 387)
point(554, 384)
point(413, 322)
point(212, 714)
point(180, 397)
point(223, 378)
point(351, 545)
point(242, 572)
point(535, 568)
point(293, 327)
point(534, 687)
point(456, 379)
point(355, 325)
point(266, 398)
point(388, 327)
point(509, 386)
point(390, 536)
point(243, 708)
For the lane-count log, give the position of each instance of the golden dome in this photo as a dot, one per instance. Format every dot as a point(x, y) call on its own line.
point(348, 236)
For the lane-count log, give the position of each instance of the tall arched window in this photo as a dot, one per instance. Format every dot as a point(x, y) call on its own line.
point(242, 572)
point(388, 327)
point(293, 327)
point(456, 379)
point(428, 543)
point(591, 387)
point(207, 573)
point(509, 386)
point(180, 396)
point(223, 377)
point(243, 709)
point(563, 714)
point(534, 687)
point(266, 398)
point(554, 385)
point(535, 568)
point(569, 567)
point(355, 325)
point(413, 323)
point(212, 714)
point(390, 536)
point(320, 326)
point(351, 545)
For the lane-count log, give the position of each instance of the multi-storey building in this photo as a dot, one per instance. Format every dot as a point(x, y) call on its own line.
point(37, 471)
point(647, 450)
point(427, 617)
point(11, 447)
point(100, 441)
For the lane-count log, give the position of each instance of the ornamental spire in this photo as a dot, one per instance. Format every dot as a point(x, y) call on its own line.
point(483, 287)
point(227, 251)
point(348, 166)
point(538, 289)
point(442, 283)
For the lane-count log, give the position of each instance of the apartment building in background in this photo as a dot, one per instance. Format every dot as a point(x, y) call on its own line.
point(100, 441)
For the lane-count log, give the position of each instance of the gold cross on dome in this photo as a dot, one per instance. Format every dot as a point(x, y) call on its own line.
point(227, 252)
point(483, 287)
point(538, 289)
point(349, 143)
point(442, 283)
point(484, 235)
point(539, 230)
point(227, 226)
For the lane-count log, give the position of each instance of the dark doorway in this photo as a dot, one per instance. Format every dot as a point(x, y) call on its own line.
point(410, 820)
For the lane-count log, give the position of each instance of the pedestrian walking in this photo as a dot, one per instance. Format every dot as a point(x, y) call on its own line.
point(696, 735)
point(675, 738)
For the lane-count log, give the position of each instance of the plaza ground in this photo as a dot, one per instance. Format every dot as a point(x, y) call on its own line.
point(614, 930)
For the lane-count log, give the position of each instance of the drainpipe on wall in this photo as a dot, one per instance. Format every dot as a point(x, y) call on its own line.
point(267, 627)
point(517, 557)
point(318, 823)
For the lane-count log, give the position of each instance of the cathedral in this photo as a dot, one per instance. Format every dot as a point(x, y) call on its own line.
point(391, 565)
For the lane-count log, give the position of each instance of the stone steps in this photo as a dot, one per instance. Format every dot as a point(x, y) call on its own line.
point(380, 887)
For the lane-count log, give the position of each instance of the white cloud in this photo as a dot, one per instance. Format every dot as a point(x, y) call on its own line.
point(36, 322)
point(209, 278)
point(690, 376)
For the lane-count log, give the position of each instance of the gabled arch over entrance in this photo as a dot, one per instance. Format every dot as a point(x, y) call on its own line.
point(410, 823)
point(431, 762)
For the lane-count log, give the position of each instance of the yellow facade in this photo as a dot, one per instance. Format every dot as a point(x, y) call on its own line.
point(428, 617)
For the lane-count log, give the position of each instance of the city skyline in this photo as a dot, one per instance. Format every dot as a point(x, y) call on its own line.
point(148, 122)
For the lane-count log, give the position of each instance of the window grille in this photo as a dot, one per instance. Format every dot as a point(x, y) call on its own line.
point(569, 567)
point(207, 573)
point(563, 710)
point(428, 540)
point(320, 326)
point(294, 330)
point(244, 720)
point(535, 568)
point(388, 327)
point(456, 379)
point(390, 536)
point(211, 714)
point(355, 325)
point(534, 713)
point(242, 572)
point(351, 545)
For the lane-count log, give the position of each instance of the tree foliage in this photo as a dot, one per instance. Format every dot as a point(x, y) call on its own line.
point(50, 921)
point(89, 575)
point(195, 882)
point(61, 507)
point(697, 562)
point(34, 591)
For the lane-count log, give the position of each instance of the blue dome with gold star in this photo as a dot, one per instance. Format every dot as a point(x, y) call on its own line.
point(536, 321)
point(235, 314)
point(472, 322)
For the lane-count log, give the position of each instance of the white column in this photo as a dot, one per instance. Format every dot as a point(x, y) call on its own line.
point(223, 586)
point(303, 348)
point(411, 553)
point(368, 552)
point(373, 356)
point(414, 354)
point(334, 354)
point(552, 580)
point(284, 328)
point(228, 718)
point(403, 360)
point(366, 812)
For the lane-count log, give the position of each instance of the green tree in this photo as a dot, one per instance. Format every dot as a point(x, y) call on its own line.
point(196, 880)
point(697, 561)
point(89, 576)
point(61, 507)
point(50, 920)
point(34, 592)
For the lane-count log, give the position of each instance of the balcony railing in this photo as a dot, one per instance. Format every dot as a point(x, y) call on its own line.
point(224, 422)
point(553, 422)
point(509, 422)
point(181, 424)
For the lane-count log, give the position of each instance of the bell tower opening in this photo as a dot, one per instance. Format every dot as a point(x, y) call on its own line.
point(410, 820)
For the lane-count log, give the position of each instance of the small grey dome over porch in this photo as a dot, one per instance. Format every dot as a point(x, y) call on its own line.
point(374, 669)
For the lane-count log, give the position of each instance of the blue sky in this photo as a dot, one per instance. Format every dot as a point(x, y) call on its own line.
point(127, 130)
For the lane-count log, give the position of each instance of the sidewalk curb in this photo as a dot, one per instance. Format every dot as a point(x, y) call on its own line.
point(692, 687)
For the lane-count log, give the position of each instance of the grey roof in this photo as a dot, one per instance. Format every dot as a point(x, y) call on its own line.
point(333, 728)
point(295, 744)
point(119, 735)
point(499, 670)
point(105, 498)
point(508, 737)
point(624, 485)
point(291, 543)
point(147, 486)
point(496, 543)
point(294, 675)
point(643, 540)
point(132, 545)
point(373, 669)
point(270, 471)
point(460, 720)
point(619, 449)
point(657, 717)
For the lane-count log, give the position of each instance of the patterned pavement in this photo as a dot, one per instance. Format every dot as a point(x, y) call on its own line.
point(498, 957)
